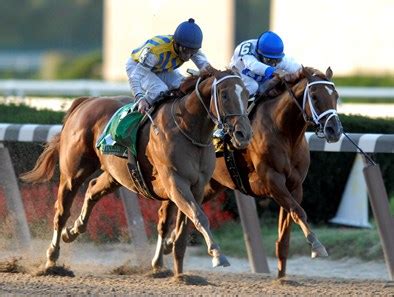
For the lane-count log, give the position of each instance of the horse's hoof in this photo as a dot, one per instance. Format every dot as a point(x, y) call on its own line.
point(167, 247)
point(157, 265)
point(52, 255)
point(319, 251)
point(220, 261)
point(68, 236)
point(281, 274)
point(49, 264)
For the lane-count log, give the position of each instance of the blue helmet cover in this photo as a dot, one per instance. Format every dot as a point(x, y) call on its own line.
point(270, 45)
point(188, 34)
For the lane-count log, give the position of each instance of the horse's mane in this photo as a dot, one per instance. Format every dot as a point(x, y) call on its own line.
point(189, 83)
point(276, 85)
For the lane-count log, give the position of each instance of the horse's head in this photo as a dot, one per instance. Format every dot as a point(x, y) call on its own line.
point(228, 106)
point(320, 102)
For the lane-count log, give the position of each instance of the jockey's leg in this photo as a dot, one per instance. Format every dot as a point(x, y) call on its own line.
point(251, 85)
point(151, 84)
point(172, 79)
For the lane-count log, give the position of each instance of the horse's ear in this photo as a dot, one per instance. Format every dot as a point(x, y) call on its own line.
point(236, 71)
point(307, 73)
point(329, 73)
point(209, 70)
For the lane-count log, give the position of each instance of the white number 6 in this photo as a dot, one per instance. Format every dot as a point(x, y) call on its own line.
point(245, 49)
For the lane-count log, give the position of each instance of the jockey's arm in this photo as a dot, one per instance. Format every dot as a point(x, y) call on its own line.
point(288, 64)
point(292, 69)
point(143, 67)
point(200, 60)
point(253, 64)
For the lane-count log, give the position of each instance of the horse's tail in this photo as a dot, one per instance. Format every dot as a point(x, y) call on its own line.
point(46, 163)
point(45, 166)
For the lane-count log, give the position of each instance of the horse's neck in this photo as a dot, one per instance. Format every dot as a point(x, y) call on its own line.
point(287, 116)
point(194, 115)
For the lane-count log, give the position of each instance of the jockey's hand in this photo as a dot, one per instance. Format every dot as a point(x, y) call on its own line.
point(280, 73)
point(293, 76)
point(143, 106)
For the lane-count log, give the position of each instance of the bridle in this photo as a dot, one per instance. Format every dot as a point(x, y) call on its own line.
point(315, 119)
point(220, 120)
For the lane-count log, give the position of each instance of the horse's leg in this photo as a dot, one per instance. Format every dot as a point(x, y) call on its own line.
point(180, 242)
point(282, 244)
point(211, 191)
point(299, 217)
point(318, 249)
point(98, 187)
point(277, 184)
point(65, 198)
point(182, 196)
point(166, 213)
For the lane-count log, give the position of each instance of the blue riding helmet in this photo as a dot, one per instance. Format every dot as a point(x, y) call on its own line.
point(270, 45)
point(188, 34)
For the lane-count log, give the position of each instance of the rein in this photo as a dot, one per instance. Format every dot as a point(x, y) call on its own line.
point(218, 121)
point(314, 120)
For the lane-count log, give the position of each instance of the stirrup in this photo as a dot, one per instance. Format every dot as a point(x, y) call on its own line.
point(219, 133)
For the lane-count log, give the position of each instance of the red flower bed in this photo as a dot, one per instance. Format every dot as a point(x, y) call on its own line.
point(107, 221)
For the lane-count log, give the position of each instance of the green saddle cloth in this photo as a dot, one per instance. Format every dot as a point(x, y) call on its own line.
point(120, 133)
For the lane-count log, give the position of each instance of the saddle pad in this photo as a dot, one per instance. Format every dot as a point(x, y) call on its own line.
point(120, 132)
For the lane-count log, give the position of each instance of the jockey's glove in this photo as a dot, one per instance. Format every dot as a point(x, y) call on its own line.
point(280, 73)
point(293, 76)
point(143, 105)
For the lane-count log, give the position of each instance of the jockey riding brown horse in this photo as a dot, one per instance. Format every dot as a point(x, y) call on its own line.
point(177, 162)
point(276, 161)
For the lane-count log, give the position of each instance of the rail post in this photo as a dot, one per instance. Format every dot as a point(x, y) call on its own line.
point(251, 229)
point(381, 210)
point(16, 211)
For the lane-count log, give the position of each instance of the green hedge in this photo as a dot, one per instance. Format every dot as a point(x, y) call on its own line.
point(323, 186)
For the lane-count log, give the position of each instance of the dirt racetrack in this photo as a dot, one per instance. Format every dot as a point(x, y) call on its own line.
point(93, 267)
point(200, 283)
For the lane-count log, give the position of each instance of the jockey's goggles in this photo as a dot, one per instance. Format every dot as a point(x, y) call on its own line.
point(271, 61)
point(185, 53)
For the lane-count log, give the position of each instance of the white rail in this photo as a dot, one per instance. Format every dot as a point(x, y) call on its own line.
point(14, 87)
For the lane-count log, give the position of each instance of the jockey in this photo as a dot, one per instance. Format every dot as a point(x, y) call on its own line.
point(258, 60)
point(152, 67)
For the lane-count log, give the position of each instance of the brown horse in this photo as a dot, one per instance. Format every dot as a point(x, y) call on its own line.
point(177, 162)
point(276, 161)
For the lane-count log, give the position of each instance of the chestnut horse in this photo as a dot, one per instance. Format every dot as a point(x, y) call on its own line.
point(276, 161)
point(177, 162)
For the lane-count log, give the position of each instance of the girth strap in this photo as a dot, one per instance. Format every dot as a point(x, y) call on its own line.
point(138, 179)
point(233, 169)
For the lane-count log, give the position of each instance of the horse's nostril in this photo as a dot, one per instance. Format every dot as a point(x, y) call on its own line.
point(330, 131)
point(239, 135)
